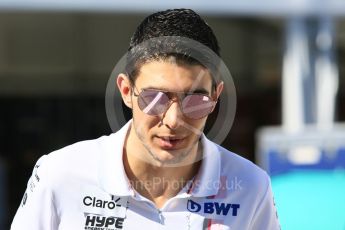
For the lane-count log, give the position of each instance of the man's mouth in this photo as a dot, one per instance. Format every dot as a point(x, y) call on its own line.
point(170, 142)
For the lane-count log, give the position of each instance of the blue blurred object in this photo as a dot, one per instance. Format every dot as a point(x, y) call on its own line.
point(310, 199)
point(278, 163)
point(307, 169)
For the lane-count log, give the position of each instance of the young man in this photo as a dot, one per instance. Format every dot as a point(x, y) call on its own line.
point(159, 171)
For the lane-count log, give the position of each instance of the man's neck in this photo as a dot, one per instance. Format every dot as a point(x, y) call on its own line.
point(158, 184)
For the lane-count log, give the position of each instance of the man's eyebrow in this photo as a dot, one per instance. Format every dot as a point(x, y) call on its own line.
point(199, 90)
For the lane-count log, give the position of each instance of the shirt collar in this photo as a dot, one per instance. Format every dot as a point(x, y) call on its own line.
point(207, 181)
point(113, 178)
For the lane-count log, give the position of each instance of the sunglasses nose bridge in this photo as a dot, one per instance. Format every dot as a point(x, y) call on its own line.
point(173, 114)
point(171, 101)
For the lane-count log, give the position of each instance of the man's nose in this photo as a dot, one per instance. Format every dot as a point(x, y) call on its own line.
point(173, 116)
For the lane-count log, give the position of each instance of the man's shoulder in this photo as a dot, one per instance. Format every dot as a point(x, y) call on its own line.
point(81, 150)
point(237, 166)
point(80, 157)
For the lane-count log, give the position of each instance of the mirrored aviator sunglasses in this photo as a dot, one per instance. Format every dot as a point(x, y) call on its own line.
point(193, 105)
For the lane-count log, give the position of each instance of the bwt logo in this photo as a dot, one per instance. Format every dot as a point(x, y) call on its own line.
point(213, 207)
point(98, 222)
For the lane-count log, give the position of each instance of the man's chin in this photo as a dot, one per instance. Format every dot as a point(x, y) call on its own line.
point(171, 158)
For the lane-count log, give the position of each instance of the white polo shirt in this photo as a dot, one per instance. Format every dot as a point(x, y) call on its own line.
point(84, 186)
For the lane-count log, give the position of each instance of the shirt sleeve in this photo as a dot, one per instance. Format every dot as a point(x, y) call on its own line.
point(37, 210)
point(266, 216)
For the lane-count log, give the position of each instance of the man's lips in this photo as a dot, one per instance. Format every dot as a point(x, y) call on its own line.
point(170, 142)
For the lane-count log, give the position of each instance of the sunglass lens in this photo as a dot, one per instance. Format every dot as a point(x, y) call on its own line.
point(197, 106)
point(153, 102)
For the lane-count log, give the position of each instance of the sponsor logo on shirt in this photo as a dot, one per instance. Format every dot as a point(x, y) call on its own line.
point(25, 197)
point(99, 203)
point(32, 184)
point(99, 222)
point(213, 208)
point(35, 172)
point(95, 209)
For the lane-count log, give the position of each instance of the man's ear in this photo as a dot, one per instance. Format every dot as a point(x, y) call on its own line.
point(124, 85)
point(219, 89)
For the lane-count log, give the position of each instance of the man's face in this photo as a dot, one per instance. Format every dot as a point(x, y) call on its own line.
point(170, 138)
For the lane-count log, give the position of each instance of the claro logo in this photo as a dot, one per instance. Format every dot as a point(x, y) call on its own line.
point(213, 208)
point(94, 202)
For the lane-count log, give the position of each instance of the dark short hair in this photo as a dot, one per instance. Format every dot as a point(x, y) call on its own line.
point(176, 23)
